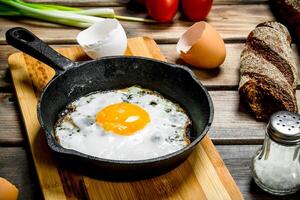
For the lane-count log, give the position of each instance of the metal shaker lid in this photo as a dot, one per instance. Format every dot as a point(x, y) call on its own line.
point(284, 127)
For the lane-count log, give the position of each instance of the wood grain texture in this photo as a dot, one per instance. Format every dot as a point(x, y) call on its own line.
point(226, 77)
point(48, 176)
point(238, 159)
point(11, 131)
point(123, 3)
point(173, 185)
point(16, 166)
point(232, 24)
point(5, 79)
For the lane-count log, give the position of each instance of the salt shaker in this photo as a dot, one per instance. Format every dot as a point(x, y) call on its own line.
point(276, 166)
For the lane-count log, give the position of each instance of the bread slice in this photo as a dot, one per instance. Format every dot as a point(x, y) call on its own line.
point(268, 71)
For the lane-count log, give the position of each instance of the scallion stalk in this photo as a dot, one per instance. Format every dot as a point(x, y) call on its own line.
point(100, 12)
point(61, 14)
point(47, 6)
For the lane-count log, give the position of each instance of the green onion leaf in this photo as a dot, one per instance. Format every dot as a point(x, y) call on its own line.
point(60, 14)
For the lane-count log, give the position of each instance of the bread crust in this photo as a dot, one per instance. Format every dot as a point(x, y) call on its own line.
point(268, 71)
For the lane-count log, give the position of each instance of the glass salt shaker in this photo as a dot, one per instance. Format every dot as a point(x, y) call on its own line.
point(276, 166)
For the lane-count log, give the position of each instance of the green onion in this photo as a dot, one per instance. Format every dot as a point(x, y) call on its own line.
point(46, 6)
point(100, 12)
point(6, 11)
point(60, 14)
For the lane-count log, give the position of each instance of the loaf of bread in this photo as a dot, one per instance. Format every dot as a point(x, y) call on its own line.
point(268, 71)
point(288, 11)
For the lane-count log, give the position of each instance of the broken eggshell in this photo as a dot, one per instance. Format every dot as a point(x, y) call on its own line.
point(104, 38)
point(202, 46)
point(7, 190)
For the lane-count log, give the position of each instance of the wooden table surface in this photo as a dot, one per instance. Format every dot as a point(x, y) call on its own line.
point(234, 132)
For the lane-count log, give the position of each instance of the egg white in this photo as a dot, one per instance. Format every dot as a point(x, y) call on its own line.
point(164, 134)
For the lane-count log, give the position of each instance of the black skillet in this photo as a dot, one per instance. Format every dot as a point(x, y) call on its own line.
point(76, 79)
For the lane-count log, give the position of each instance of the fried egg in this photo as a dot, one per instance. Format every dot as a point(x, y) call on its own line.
point(127, 124)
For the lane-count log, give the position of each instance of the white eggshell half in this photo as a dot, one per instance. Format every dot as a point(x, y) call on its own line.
point(105, 38)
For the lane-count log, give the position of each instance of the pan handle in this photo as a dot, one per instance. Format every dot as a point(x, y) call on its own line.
point(27, 42)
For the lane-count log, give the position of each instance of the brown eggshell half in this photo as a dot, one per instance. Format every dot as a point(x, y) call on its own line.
point(7, 190)
point(202, 46)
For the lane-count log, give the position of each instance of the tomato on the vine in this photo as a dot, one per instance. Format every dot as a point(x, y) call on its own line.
point(162, 10)
point(196, 10)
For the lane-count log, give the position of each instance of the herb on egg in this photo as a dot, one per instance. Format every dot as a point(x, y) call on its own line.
point(168, 110)
point(141, 92)
point(175, 137)
point(129, 97)
point(153, 103)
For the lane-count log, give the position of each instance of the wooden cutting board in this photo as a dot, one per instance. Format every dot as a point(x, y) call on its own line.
point(202, 176)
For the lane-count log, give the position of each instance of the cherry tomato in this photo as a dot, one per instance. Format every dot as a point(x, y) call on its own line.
point(196, 10)
point(162, 10)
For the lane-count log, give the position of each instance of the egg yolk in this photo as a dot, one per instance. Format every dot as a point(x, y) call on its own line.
point(123, 118)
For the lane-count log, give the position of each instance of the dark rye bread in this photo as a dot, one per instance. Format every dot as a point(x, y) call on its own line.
point(268, 71)
point(288, 11)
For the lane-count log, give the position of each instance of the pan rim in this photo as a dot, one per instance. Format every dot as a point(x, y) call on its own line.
point(53, 145)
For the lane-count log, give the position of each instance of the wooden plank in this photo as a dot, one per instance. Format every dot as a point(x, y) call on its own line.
point(232, 24)
point(48, 176)
point(214, 183)
point(225, 77)
point(232, 124)
point(5, 79)
point(103, 3)
point(236, 157)
point(10, 122)
point(16, 166)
